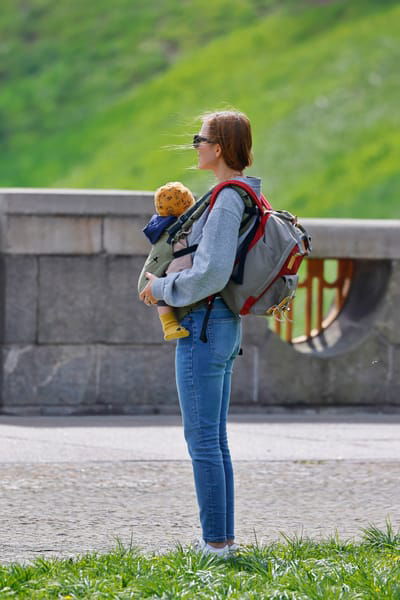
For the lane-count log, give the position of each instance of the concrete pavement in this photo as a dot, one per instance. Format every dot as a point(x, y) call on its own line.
point(284, 436)
point(76, 484)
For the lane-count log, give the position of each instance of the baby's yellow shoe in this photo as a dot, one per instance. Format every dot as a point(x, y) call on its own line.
point(171, 327)
point(174, 333)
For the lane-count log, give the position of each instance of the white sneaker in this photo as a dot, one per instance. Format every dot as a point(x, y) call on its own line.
point(205, 549)
point(233, 548)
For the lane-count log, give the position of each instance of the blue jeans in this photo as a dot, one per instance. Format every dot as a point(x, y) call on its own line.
point(203, 377)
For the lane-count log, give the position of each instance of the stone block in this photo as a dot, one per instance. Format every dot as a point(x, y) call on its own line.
point(87, 379)
point(137, 376)
point(127, 319)
point(354, 238)
point(19, 282)
point(125, 236)
point(45, 201)
point(71, 299)
point(256, 330)
point(94, 300)
point(360, 377)
point(286, 376)
point(245, 379)
point(388, 320)
point(56, 377)
point(51, 235)
point(356, 378)
point(393, 388)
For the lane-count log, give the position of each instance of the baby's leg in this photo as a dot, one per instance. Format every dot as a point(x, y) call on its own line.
point(171, 328)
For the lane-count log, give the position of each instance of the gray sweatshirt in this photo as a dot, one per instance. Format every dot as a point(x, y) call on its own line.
point(217, 236)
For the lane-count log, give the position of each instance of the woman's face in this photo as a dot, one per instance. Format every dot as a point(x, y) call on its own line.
point(208, 154)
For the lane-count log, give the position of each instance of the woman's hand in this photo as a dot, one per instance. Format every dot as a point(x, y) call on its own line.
point(146, 295)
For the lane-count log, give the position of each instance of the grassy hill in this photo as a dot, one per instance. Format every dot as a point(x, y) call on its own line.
point(93, 96)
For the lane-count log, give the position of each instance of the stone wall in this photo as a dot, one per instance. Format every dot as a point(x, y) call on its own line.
point(76, 340)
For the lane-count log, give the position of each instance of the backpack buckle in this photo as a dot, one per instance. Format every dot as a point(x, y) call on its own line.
point(292, 259)
point(279, 311)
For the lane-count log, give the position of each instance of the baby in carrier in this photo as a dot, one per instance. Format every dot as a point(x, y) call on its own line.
point(170, 200)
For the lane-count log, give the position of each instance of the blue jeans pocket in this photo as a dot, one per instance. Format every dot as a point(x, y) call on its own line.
point(224, 337)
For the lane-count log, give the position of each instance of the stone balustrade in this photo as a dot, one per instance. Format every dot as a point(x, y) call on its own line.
point(76, 340)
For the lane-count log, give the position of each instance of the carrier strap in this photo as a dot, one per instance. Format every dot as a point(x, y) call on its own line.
point(203, 334)
point(238, 272)
point(184, 222)
point(250, 211)
point(185, 251)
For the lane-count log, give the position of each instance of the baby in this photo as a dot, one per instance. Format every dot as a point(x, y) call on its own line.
point(170, 200)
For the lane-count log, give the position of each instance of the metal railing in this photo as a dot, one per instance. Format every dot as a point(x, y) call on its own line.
point(322, 291)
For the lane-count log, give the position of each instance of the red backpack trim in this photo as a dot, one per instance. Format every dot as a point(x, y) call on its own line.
point(262, 202)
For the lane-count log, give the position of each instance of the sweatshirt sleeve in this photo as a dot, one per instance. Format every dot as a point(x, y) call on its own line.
point(214, 258)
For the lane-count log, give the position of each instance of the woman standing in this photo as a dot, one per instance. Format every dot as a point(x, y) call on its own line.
point(204, 370)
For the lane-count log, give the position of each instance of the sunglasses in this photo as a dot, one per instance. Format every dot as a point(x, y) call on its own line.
point(197, 139)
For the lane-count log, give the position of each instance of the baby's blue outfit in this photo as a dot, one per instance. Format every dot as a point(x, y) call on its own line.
point(156, 227)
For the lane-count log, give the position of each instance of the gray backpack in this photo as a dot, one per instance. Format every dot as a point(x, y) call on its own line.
point(264, 278)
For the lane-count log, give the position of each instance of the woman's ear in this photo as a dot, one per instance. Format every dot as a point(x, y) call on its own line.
point(218, 150)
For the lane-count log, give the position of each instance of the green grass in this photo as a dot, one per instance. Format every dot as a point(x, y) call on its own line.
point(64, 64)
point(296, 568)
point(96, 104)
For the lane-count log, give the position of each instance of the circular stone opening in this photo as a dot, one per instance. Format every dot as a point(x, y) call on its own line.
point(347, 328)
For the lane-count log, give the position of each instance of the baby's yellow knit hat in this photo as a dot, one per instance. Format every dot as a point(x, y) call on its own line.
point(172, 199)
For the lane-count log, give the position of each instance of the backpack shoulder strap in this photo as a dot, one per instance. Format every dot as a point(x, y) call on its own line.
point(262, 203)
point(248, 195)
